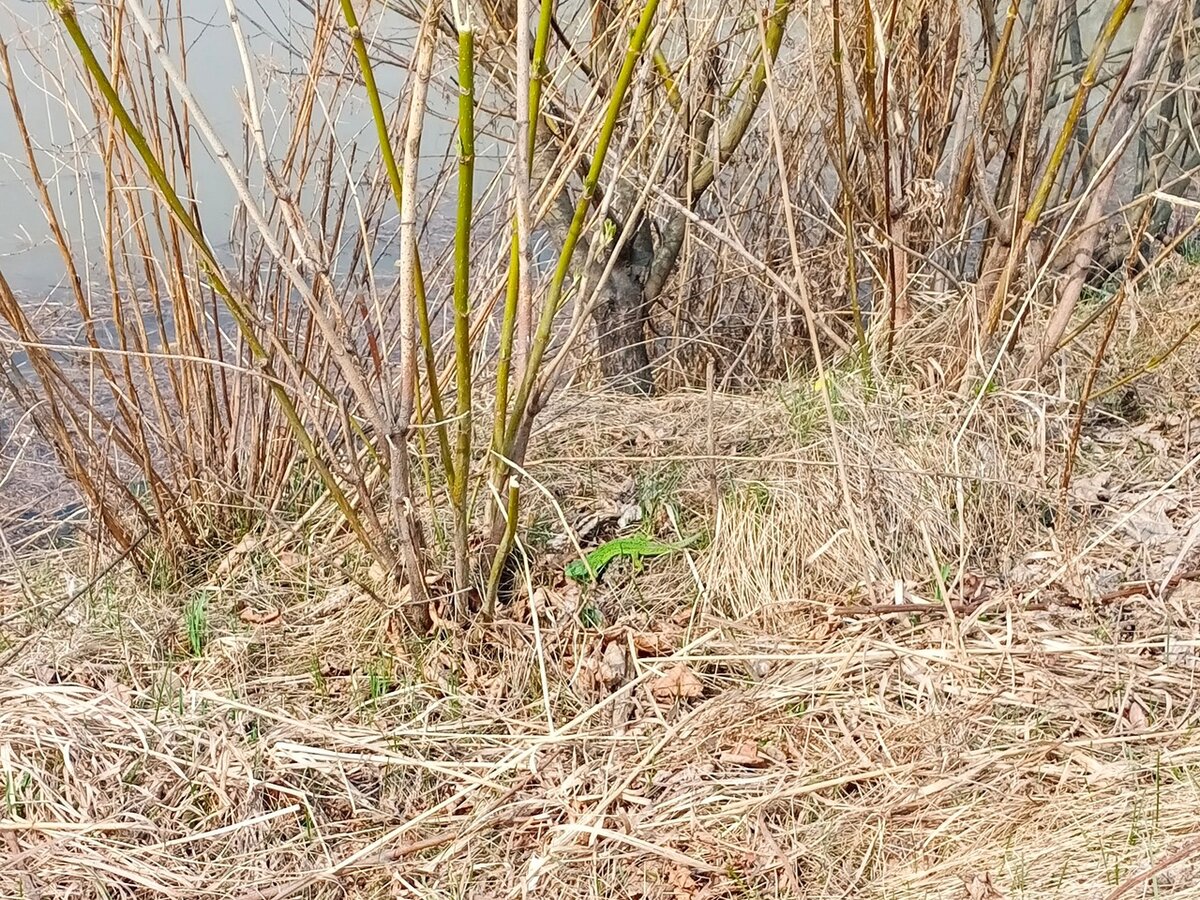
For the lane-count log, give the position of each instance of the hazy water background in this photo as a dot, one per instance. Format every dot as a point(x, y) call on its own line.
point(279, 32)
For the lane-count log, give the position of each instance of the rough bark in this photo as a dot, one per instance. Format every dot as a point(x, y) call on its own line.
point(620, 311)
point(621, 315)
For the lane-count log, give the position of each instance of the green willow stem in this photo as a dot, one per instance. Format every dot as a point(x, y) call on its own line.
point(518, 294)
point(1154, 362)
point(208, 262)
point(847, 187)
point(462, 307)
point(668, 78)
point(538, 70)
point(896, 289)
point(394, 179)
point(1066, 135)
point(508, 324)
point(431, 370)
point(554, 297)
point(736, 128)
point(967, 167)
point(512, 508)
point(870, 69)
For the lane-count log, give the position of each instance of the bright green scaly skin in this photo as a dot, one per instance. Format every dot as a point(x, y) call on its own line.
point(635, 548)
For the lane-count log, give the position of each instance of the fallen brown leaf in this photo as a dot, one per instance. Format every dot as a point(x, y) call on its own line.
point(745, 754)
point(677, 683)
point(246, 545)
point(980, 887)
point(1151, 522)
point(1187, 594)
point(266, 617)
point(653, 643)
point(682, 882)
point(1089, 490)
point(614, 666)
point(118, 690)
point(290, 559)
point(1136, 716)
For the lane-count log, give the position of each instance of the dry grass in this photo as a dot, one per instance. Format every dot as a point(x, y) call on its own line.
point(749, 721)
point(1051, 754)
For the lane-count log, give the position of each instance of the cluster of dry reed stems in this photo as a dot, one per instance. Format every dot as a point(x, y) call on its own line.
point(805, 185)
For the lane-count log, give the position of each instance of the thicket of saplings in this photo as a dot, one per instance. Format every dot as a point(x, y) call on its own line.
point(713, 191)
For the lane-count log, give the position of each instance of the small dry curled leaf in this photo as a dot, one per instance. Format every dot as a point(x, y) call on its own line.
point(248, 544)
point(1187, 595)
point(289, 560)
point(1136, 717)
point(378, 572)
point(980, 887)
point(654, 643)
point(120, 691)
point(551, 604)
point(745, 754)
point(614, 666)
point(271, 616)
point(677, 683)
point(1149, 520)
point(1091, 490)
point(682, 882)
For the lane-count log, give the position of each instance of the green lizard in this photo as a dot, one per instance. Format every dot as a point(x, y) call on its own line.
point(636, 547)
